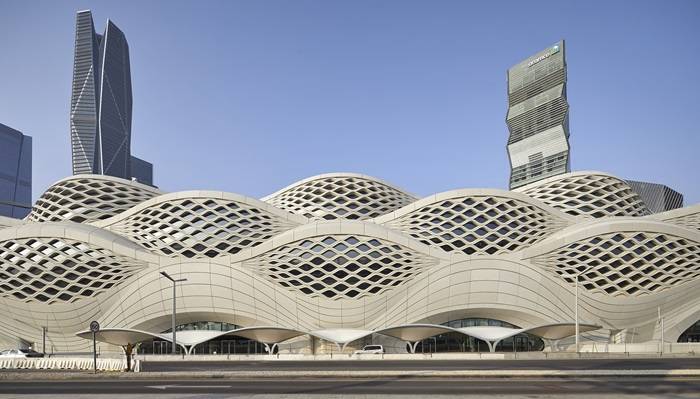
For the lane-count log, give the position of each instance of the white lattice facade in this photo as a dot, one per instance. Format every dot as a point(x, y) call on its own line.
point(588, 194)
point(340, 196)
point(348, 253)
point(87, 198)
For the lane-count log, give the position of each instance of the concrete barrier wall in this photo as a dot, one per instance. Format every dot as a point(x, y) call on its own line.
point(67, 364)
point(587, 351)
point(343, 356)
point(649, 347)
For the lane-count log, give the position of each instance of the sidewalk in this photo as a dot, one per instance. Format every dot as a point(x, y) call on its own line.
point(311, 374)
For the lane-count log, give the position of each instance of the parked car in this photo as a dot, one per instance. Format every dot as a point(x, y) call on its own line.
point(370, 349)
point(31, 353)
point(20, 353)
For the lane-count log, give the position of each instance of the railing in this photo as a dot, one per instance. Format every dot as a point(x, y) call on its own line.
point(60, 363)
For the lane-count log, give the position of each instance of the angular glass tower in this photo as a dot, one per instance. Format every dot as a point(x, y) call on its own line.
point(538, 117)
point(657, 197)
point(101, 102)
point(15, 173)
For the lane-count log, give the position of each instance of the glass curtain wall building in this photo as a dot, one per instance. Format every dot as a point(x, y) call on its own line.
point(15, 173)
point(657, 197)
point(538, 117)
point(101, 101)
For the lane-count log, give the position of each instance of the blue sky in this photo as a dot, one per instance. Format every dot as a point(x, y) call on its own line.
point(249, 96)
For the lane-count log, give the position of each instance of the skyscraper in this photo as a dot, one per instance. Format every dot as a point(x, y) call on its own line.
point(15, 173)
point(657, 197)
point(101, 102)
point(538, 117)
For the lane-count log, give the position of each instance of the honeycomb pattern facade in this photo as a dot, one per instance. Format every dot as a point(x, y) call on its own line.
point(341, 266)
point(588, 195)
point(200, 227)
point(330, 197)
point(54, 270)
point(88, 198)
point(479, 225)
point(626, 263)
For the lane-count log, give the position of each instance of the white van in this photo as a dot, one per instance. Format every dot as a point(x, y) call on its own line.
point(370, 349)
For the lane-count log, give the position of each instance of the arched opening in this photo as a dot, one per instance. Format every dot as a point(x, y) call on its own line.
point(456, 342)
point(691, 334)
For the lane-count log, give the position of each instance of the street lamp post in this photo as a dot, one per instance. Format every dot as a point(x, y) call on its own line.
point(576, 305)
point(166, 275)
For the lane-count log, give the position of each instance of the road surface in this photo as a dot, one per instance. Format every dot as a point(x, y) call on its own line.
point(377, 365)
point(599, 387)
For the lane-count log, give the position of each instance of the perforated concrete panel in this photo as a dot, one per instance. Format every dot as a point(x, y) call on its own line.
point(88, 198)
point(340, 196)
point(627, 263)
point(593, 195)
point(486, 224)
point(341, 266)
point(200, 227)
point(54, 270)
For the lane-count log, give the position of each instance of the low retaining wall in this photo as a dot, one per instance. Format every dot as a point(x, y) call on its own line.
point(62, 363)
point(343, 356)
point(435, 356)
point(647, 347)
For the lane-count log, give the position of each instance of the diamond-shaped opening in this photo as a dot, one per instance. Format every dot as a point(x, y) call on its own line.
point(328, 267)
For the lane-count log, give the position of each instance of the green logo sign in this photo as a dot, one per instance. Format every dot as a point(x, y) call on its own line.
point(552, 51)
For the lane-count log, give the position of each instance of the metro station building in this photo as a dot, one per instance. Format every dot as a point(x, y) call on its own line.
point(337, 261)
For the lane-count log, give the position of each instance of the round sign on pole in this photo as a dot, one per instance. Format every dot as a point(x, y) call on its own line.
point(94, 326)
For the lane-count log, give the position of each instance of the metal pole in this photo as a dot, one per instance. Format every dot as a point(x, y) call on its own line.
point(662, 335)
point(576, 304)
point(43, 339)
point(576, 312)
point(174, 311)
point(94, 352)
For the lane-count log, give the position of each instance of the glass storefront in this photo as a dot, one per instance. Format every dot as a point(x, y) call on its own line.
point(456, 342)
point(231, 345)
point(204, 326)
point(692, 334)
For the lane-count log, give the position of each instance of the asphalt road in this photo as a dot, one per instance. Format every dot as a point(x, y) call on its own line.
point(374, 365)
point(648, 387)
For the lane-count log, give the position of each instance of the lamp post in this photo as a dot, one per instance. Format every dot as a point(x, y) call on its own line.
point(576, 305)
point(166, 275)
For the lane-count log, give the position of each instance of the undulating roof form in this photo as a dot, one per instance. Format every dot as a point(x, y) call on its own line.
point(588, 194)
point(340, 196)
point(343, 257)
point(201, 224)
point(483, 222)
point(88, 198)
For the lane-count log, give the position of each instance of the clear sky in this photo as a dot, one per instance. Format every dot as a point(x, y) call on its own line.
point(249, 96)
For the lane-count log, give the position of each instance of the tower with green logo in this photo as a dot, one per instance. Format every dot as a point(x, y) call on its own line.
point(538, 117)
